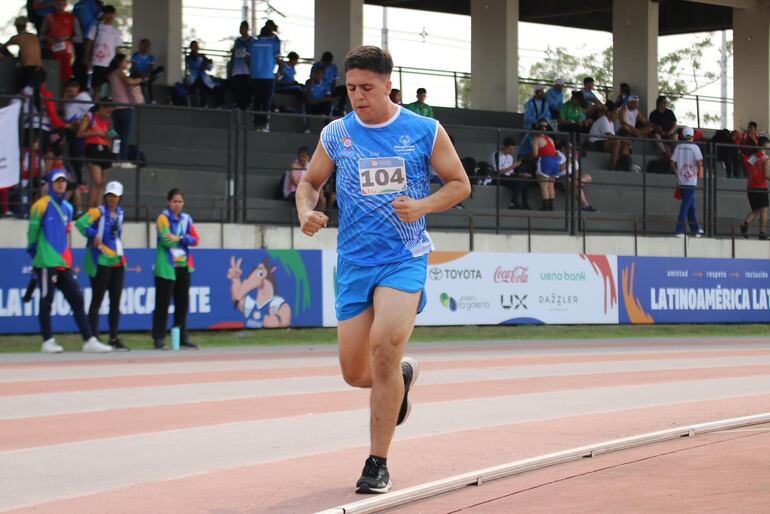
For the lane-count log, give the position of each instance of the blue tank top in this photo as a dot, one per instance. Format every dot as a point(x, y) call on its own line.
point(375, 164)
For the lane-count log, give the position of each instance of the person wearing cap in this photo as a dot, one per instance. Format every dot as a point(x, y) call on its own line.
point(50, 221)
point(602, 136)
point(572, 117)
point(95, 128)
point(420, 107)
point(173, 266)
point(632, 122)
point(554, 97)
point(687, 163)
point(105, 261)
point(536, 108)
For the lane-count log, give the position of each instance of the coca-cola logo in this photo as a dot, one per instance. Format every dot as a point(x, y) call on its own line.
point(517, 275)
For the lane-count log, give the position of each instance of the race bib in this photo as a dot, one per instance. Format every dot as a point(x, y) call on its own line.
point(240, 53)
point(118, 247)
point(382, 176)
point(59, 46)
point(753, 160)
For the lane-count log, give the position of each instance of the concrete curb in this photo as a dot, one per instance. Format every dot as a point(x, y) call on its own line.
point(477, 478)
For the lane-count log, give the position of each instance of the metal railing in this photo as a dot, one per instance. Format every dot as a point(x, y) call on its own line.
point(240, 172)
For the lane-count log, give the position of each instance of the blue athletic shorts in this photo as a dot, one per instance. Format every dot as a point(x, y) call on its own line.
point(356, 284)
point(549, 167)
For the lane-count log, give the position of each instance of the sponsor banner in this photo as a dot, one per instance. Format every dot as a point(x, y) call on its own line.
point(236, 289)
point(9, 145)
point(503, 288)
point(677, 290)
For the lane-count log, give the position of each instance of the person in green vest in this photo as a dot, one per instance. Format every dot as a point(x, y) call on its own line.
point(173, 266)
point(105, 261)
point(420, 107)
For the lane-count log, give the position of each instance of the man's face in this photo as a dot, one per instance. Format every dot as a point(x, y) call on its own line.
point(589, 86)
point(59, 186)
point(662, 105)
point(612, 115)
point(176, 204)
point(421, 97)
point(71, 91)
point(318, 76)
point(303, 157)
point(559, 87)
point(369, 93)
point(633, 105)
point(244, 30)
point(508, 150)
point(108, 17)
point(144, 47)
point(194, 47)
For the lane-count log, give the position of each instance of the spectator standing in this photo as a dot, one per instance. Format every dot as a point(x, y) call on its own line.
point(420, 107)
point(757, 166)
point(264, 53)
point(143, 68)
point(173, 266)
point(294, 174)
point(198, 81)
point(60, 31)
point(663, 121)
point(601, 136)
point(554, 97)
point(750, 138)
point(687, 163)
point(37, 10)
point(50, 222)
point(96, 131)
point(241, 74)
point(30, 58)
point(75, 109)
point(395, 96)
point(536, 108)
point(548, 166)
point(727, 154)
point(503, 164)
point(591, 102)
point(102, 44)
point(87, 13)
point(572, 118)
point(105, 262)
point(125, 91)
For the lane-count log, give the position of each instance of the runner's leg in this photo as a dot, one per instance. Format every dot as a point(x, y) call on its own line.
point(355, 357)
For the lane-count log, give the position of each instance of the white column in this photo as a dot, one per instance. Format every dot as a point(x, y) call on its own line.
point(160, 21)
point(495, 55)
point(635, 49)
point(339, 27)
point(751, 63)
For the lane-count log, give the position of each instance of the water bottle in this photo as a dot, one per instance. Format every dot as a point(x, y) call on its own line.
point(175, 334)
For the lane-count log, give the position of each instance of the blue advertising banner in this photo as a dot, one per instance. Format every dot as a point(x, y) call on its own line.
point(230, 289)
point(677, 290)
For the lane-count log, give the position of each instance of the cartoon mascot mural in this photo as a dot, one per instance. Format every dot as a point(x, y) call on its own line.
point(255, 296)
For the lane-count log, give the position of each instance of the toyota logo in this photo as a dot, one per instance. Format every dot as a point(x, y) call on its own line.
point(436, 274)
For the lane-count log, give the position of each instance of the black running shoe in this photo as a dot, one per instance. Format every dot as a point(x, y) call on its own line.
point(188, 345)
point(410, 369)
point(159, 344)
point(375, 478)
point(118, 346)
point(745, 231)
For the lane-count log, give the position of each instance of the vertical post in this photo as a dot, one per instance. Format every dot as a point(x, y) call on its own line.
point(20, 128)
point(644, 197)
point(457, 99)
point(497, 186)
point(732, 236)
point(471, 233)
point(228, 186)
point(244, 171)
point(697, 108)
point(401, 82)
point(137, 180)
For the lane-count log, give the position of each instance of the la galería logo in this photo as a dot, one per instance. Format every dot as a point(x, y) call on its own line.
point(347, 142)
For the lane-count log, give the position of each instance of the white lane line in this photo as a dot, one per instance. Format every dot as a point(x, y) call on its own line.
point(23, 406)
point(39, 475)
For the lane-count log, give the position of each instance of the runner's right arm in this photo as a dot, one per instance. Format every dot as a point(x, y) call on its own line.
point(309, 189)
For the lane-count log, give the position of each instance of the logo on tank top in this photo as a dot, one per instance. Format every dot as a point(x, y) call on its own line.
point(347, 142)
point(405, 145)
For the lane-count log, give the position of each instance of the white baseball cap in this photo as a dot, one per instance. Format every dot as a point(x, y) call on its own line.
point(688, 132)
point(56, 174)
point(633, 98)
point(539, 87)
point(114, 188)
point(558, 82)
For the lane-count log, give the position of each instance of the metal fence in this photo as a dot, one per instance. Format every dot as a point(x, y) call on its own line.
point(234, 178)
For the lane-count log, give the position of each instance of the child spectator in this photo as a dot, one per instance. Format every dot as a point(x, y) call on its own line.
point(87, 12)
point(572, 118)
point(601, 131)
point(61, 31)
point(503, 164)
point(687, 163)
point(757, 166)
point(318, 98)
point(240, 73)
point(565, 165)
point(294, 174)
point(143, 68)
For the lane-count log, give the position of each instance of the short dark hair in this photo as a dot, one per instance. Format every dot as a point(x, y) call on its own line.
point(611, 106)
point(293, 55)
point(752, 124)
point(370, 58)
point(587, 80)
point(509, 141)
point(763, 141)
point(661, 98)
point(577, 95)
point(327, 57)
point(173, 192)
point(422, 91)
point(108, 9)
point(244, 22)
point(72, 83)
point(303, 149)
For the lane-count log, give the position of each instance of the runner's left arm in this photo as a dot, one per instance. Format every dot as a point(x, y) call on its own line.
point(450, 170)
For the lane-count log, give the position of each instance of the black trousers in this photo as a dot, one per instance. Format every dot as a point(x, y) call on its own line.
point(51, 279)
point(263, 98)
point(241, 85)
point(165, 289)
point(106, 279)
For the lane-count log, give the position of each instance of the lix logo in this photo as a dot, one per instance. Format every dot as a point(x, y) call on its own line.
point(513, 301)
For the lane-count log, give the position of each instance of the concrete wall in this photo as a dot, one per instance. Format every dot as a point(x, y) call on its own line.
point(216, 235)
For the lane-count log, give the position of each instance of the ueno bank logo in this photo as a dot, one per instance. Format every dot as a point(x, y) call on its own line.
point(517, 275)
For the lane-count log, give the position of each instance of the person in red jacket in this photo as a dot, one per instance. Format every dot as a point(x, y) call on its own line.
point(60, 31)
point(757, 166)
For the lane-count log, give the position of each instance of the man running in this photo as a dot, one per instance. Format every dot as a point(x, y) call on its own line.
point(382, 154)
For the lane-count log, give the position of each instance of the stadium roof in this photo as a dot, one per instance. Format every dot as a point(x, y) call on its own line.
point(676, 16)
